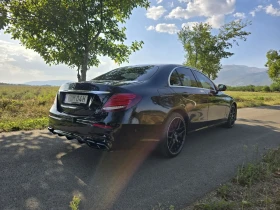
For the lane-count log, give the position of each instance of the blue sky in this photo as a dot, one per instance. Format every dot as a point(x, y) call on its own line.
point(157, 27)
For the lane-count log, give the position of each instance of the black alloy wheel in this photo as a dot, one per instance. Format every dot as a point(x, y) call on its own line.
point(174, 136)
point(231, 117)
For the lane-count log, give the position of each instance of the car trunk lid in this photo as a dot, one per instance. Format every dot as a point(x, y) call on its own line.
point(88, 98)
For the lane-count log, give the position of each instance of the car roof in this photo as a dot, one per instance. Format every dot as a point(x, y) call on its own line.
point(171, 65)
point(154, 64)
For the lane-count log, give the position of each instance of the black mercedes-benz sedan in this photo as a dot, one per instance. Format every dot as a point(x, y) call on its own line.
point(125, 106)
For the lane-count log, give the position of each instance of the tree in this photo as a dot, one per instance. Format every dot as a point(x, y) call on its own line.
point(273, 64)
point(204, 50)
point(73, 32)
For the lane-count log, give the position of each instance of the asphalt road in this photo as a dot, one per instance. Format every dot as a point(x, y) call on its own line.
point(42, 171)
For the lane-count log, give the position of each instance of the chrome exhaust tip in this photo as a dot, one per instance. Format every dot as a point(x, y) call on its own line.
point(97, 145)
point(51, 130)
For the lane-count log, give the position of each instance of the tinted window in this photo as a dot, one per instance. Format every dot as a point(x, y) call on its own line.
point(186, 77)
point(204, 81)
point(129, 73)
point(174, 79)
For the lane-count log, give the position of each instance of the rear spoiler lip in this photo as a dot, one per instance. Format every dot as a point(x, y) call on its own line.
point(85, 91)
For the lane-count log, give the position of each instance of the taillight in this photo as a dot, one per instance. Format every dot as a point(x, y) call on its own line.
point(121, 101)
point(102, 126)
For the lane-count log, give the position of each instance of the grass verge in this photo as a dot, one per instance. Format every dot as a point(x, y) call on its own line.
point(25, 107)
point(255, 186)
point(254, 99)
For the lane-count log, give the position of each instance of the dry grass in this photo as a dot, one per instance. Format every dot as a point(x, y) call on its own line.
point(253, 99)
point(256, 186)
point(25, 107)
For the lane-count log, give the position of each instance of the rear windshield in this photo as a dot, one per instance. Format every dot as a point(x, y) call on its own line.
point(129, 73)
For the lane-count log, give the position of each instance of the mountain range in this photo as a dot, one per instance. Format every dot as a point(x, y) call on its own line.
point(231, 75)
point(47, 83)
point(239, 75)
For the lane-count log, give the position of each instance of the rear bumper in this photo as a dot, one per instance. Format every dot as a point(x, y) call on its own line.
point(108, 138)
point(95, 142)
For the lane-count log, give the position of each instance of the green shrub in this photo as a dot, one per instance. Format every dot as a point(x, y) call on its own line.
point(266, 89)
point(258, 88)
point(249, 174)
point(275, 87)
point(215, 205)
point(252, 88)
point(223, 191)
point(74, 204)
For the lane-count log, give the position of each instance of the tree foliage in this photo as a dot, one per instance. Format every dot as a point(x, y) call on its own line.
point(273, 64)
point(204, 50)
point(73, 32)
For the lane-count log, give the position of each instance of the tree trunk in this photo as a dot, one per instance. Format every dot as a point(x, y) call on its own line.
point(84, 66)
point(84, 73)
point(79, 75)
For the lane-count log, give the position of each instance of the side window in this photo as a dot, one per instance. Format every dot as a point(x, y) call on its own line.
point(174, 79)
point(187, 77)
point(204, 81)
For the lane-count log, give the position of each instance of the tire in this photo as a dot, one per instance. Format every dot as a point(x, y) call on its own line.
point(174, 135)
point(231, 117)
point(80, 141)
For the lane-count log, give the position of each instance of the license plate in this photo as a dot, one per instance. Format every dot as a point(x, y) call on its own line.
point(75, 99)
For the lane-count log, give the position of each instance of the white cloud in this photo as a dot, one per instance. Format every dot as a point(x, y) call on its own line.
point(204, 8)
point(189, 24)
point(216, 21)
point(150, 28)
point(155, 12)
point(171, 4)
point(257, 9)
point(184, 1)
point(159, 1)
point(239, 15)
point(9, 49)
point(164, 28)
point(253, 13)
point(272, 11)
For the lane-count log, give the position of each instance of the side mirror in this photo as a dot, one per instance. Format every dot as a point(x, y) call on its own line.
point(222, 87)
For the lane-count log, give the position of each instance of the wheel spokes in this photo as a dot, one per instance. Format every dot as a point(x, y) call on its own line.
point(232, 115)
point(181, 132)
point(176, 135)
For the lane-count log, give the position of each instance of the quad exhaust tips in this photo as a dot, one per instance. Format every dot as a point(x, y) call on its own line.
point(97, 145)
point(100, 145)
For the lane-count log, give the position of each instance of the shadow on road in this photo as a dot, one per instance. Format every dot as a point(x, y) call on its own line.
point(42, 171)
point(268, 107)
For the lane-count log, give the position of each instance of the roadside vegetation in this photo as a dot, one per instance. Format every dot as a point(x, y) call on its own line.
point(74, 204)
point(255, 186)
point(275, 87)
point(254, 99)
point(27, 107)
